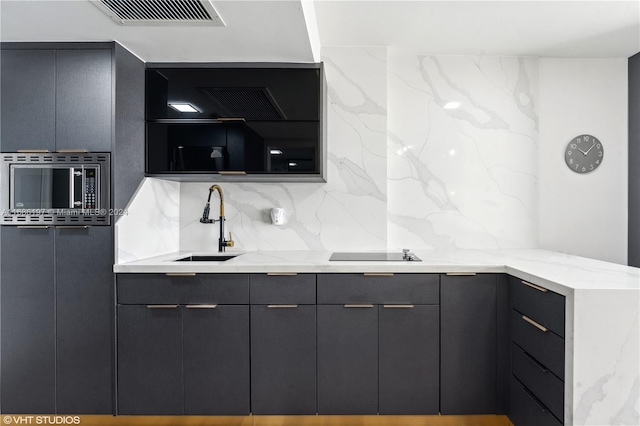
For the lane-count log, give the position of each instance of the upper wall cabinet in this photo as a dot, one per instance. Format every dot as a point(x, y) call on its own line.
point(249, 122)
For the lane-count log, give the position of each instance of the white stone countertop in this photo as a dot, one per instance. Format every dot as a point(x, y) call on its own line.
point(559, 272)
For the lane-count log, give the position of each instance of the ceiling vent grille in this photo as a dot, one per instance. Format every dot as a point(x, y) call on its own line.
point(252, 103)
point(160, 12)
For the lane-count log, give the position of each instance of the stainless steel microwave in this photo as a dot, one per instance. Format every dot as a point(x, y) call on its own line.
point(55, 189)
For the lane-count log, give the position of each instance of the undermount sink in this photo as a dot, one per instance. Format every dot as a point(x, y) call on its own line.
point(209, 258)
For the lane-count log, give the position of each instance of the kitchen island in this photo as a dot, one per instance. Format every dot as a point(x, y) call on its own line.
point(602, 335)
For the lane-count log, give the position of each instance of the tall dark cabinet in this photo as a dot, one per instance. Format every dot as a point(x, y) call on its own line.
point(468, 367)
point(634, 158)
point(56, 284)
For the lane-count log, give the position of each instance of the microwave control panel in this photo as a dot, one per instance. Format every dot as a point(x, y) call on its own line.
point(90, 188)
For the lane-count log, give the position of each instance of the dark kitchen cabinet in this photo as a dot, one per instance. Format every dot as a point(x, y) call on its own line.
point(27, 114)
point(150, 359)
point(184, 352)
point(468, 337)
point(84, 317)
point(216, 359)
point(27, 321)
point(283, 359)
point(83, 99)
point(378, 351)
point(56, 99)
point(409, 354)
point(347, 359)
point(57, 320)
point(283, 343)
point(246, 122)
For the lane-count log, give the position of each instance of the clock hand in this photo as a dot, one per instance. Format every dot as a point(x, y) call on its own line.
point(594, 144)
point(585, 153)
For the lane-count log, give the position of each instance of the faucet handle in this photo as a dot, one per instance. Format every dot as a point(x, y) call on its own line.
point(229, 242)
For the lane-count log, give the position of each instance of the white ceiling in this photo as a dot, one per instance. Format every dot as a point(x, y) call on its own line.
point(275, 30)
point(269, 31)
point(530, 28)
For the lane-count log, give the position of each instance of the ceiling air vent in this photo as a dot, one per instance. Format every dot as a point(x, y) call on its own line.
point(160, 12)
point(252, 103)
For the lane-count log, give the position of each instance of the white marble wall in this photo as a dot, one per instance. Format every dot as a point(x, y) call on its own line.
point(464, 177)
point(150, 225)
point(346, 213)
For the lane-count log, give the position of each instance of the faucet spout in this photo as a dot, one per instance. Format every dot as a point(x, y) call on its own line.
point(222, 242)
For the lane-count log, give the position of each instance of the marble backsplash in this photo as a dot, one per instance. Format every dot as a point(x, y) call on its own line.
point(402, 170)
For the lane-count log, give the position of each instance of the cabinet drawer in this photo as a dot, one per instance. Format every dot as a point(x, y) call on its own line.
point(527, 410)
point(539, 304)
point(539, 380)
point(423, 289)
point(282, 289)
point(231, 289)
point(546, 347)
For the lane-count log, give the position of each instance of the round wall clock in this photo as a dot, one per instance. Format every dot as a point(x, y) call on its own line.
point(584, 154)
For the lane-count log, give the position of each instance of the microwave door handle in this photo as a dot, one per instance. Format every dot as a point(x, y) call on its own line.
point(76, 185)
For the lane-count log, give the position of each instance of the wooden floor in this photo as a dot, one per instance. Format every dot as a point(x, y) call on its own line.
point(484, 420)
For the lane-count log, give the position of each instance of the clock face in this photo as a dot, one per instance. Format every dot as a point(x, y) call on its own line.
point(584, 154)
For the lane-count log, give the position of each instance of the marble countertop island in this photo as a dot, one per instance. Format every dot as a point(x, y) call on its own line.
point(602, 382)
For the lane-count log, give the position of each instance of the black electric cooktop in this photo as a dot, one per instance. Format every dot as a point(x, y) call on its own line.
point(373, 256)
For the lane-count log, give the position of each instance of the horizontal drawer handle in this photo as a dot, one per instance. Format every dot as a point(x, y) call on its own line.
point(33, 227)
point(162, 306)
point(461, 274)
point(201, 306)
point(359, 306)
point(535, 324)
point(180, 274)
point(281, 306)
point(537, 287)
point(232, 172)
point(535, 362)
point(72, 151)
point(378, 274)
point(282, 274)
point(398, 306)
point(535, 400)
point(33, 151)
point(73, 226)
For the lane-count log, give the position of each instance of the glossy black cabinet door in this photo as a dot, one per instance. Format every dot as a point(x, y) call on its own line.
point(83, 99)
point(216, 359)
point(468, 355)
point(347, 359)
point(27, 321)
point(409, 359)
point(28, 100)
point(150, 360)
point(84, 301)
point(283, 359)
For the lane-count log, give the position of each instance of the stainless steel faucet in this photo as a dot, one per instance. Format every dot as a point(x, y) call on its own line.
point(222, 243)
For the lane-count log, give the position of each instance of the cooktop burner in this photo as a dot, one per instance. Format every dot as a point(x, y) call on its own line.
point(374, 257)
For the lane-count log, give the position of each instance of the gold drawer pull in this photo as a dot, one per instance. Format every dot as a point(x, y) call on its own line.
point(162, 306)
point(201, 306)
point(537, 287)
point(378, 274)
point(359, 306)
point(282, 274)
point(461, 274)
point(281, 306)
point(33, 151)
point(180, 274)
point(535, 324)
point(398, 306)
